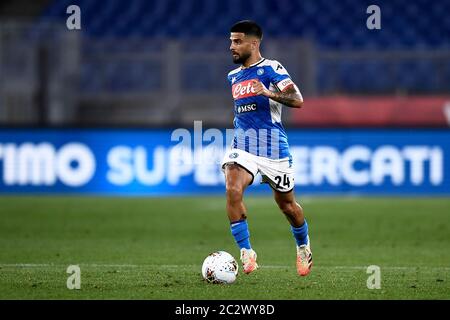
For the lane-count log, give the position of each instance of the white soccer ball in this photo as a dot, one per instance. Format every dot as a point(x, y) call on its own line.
point(220, 267)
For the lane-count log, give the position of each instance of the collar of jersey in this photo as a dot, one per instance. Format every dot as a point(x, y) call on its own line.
point(253, 65)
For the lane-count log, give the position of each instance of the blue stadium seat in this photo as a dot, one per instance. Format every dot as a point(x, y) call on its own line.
point(332, 26)
point(403, 22)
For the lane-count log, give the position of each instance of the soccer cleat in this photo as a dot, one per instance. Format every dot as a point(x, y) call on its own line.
point(304, 259)
point(248, 258)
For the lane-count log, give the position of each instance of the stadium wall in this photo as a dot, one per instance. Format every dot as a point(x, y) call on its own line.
point(139, 162)
point(374, 111)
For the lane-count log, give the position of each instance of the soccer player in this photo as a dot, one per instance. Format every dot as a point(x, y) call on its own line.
point(260, 87)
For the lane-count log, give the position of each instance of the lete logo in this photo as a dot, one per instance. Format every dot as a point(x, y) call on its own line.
point(243, 89)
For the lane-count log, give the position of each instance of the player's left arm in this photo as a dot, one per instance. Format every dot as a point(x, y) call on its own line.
point(289, 96)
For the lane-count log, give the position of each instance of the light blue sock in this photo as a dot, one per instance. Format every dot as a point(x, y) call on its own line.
point(300, 234)
point(239, 230)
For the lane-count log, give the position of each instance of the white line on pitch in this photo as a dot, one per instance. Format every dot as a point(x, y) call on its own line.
point(95, 265)
point(176, 266)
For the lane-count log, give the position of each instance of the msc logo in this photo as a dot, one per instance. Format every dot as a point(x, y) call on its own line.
point(246, 108)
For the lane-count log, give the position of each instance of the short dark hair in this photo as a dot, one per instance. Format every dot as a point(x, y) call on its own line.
point(248, 27)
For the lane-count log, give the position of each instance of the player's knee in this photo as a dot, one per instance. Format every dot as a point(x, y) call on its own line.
point(300, 209)
point(234, 193)
point(289, 208)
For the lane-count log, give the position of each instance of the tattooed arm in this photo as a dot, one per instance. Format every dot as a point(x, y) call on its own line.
point(290, 97)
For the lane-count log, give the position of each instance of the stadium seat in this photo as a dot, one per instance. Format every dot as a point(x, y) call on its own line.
point(337, 26)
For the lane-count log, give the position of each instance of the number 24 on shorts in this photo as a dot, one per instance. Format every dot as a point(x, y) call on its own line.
point(285, 179)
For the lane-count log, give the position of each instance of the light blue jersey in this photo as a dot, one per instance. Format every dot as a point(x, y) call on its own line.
point(257, 119)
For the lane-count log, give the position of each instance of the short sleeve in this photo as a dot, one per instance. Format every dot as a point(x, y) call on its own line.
point(280, 77)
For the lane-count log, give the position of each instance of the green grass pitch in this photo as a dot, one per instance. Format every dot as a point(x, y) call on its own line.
point(137, 248)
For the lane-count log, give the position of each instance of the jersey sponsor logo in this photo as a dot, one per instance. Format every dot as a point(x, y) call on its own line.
point(243, 89)
point(283, 84)
point(246, 108)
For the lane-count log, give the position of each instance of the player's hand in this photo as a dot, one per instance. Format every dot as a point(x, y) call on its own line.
point(260, 88)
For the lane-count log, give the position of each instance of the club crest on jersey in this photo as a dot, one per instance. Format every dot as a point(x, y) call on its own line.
point(243, 89)
point(246, 108)
point(260, 72)
point(234, 155)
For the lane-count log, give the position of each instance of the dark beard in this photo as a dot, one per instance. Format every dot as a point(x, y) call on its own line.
point(241, 59)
